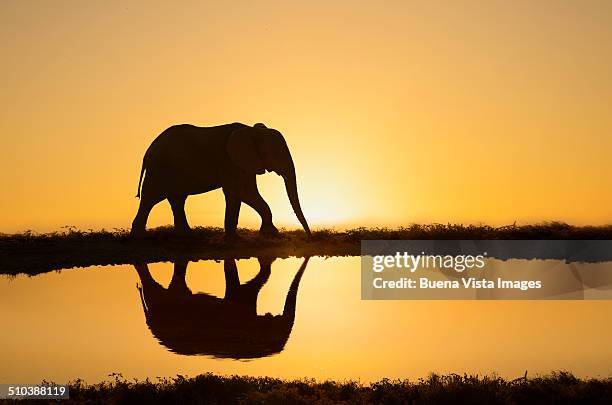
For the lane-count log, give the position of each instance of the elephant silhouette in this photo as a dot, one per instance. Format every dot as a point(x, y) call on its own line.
point(185, 160)
point(229, 327)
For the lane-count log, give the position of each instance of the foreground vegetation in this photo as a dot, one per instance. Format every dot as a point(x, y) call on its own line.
point(557, 388)
point(33, 253)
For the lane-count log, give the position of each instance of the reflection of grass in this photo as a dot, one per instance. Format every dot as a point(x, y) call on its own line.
point(33, 253)
point(559, 387)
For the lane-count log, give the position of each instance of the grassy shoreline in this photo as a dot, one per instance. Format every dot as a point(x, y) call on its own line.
point(32, 253)
point(555, 388)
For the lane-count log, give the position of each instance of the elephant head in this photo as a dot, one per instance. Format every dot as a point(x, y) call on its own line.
point(229, 327)
point(259, 148)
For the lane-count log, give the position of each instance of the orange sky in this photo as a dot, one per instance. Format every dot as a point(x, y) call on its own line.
point(399, 112)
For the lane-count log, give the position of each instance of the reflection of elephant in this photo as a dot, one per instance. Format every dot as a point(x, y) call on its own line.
point(188, 323)
point(185, 160)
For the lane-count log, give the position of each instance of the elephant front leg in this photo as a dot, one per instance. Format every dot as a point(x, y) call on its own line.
point(232, 281)
point(252, 198)
point(232, 211)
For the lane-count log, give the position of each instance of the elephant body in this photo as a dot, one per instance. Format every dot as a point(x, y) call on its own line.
point(174, 161)
point(185, 160)
point(227, 327)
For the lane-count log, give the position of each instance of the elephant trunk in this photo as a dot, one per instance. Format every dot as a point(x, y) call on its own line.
point(292, 193)
point(290, 301)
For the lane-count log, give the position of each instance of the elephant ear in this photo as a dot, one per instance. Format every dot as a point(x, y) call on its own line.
point(243, 151)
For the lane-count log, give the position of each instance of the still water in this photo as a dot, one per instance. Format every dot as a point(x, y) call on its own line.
point(142, 321)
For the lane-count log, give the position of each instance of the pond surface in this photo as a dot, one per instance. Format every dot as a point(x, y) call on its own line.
point(88, 323)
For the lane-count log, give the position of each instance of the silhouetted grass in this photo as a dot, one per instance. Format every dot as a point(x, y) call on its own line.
point(556, 388)
point(34, 253)
point(545, 230)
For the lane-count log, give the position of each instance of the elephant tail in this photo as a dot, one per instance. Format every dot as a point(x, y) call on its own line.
point(142, 170)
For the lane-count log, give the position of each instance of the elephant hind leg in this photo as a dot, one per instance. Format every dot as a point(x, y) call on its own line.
point(178, 210)
point(140, 221)
point(149, 197)
point(178, 284)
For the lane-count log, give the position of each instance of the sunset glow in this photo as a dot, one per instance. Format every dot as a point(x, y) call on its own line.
point(410, 112)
